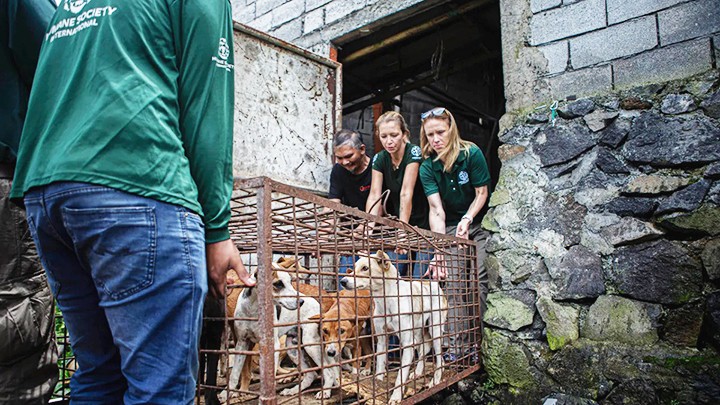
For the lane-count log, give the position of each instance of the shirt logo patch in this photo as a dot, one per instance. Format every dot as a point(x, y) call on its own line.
point(463, 177)
point(223, 53)
point(415, 151)
point(75, 6)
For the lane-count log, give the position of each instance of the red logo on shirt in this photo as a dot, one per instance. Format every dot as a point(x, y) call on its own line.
point(364, 188)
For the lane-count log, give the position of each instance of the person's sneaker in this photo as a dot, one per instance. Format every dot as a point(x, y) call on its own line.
point(450, 357)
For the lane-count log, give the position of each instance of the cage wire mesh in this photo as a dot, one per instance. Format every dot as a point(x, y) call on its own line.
point(383, 310)
point(338, 291)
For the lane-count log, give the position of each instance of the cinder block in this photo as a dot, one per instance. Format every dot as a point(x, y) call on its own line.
point(262, 23)
point(263, 6)
point(689, 20)
point(620, 40)
point(583, 82)
point(313, 20)
point(567, 21)
point(537, 6)
point(313, 4)
point(243, 13)
point(338, 9)
point(621, 10)
point(289, 31)
point(287, 12)
point(556, 55)
point(663, 64)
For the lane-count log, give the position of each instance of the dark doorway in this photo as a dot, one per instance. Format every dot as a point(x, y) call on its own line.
point(443, 53)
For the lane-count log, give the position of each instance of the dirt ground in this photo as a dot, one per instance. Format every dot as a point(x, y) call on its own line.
point(354, 389)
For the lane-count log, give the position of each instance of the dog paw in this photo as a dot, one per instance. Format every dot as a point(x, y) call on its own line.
point(380, 376)
point(365, 372)
point(222, 396)
point(324, 394)
point(290, 391)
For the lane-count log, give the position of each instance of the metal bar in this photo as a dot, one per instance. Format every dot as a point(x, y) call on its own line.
point(265, 298)
point(409, 33)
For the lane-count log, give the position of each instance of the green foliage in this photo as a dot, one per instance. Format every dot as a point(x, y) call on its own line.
point(65, 359)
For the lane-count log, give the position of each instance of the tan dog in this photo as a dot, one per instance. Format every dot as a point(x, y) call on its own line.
point(342, 327)
point(414, 310)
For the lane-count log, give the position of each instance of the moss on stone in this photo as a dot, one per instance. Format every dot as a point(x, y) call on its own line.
point(505, 361)
point(693, 363)
point(705, 219)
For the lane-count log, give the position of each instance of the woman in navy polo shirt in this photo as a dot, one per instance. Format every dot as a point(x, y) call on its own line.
point(455, 178)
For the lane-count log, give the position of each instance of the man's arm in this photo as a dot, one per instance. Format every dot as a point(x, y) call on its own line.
point(204, 46)
point(28, 20)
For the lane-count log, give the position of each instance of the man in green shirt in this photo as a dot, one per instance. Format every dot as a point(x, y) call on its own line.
point(28, 354)
point(125, 166)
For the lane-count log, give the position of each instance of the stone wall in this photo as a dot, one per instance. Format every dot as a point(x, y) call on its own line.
point(553, 49)
point(604, 264)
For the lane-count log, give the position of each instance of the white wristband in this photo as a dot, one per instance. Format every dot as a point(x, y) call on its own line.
point(468, 217)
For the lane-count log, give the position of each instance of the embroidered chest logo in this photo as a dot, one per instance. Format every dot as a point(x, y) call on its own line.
point(84, 19)
point(415, 151)
point(463, 177)
point(223, 54)
point(75, 6)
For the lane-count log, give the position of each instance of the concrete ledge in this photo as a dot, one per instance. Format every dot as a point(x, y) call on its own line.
point(581, 82)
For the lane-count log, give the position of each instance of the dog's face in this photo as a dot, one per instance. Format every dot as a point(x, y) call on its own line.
point(335, 334)
point(284, 293)
point(369, 272)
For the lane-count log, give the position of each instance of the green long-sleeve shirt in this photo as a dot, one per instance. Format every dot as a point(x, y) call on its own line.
point(136, 95)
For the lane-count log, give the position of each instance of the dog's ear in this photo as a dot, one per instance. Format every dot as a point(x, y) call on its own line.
point(383, 260)
point(315, 317)
point(287, 262)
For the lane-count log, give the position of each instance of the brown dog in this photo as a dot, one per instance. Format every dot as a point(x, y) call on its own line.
point(342, 327)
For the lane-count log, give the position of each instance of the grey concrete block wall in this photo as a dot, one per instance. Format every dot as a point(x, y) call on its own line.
point(549, 46)
point(313, 24)
point(613, 42)
point(637, 42)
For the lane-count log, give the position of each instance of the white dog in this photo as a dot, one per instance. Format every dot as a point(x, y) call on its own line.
point(414, 310)
point(310, 338)
point(247, 332)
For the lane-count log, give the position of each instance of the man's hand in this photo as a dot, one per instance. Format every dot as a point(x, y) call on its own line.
point(436, 269)
point(221, 257)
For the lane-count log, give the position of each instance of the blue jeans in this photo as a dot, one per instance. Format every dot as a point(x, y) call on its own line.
point(129, 275)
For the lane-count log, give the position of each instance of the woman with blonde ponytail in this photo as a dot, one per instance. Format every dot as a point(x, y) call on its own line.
point(455, 179)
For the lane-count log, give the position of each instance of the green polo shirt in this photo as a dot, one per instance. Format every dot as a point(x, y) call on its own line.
point(457, 188)
point(393, 179)
point(138, 96)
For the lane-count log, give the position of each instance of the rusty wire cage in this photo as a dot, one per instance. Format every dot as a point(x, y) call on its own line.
point(311, 242)
point(329, 354)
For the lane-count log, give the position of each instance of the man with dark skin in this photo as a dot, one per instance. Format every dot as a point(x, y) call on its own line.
point(28, 355)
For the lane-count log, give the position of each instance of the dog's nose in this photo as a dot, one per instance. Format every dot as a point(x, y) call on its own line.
point(343, 282)
point(300, 302)
point(331, 352)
